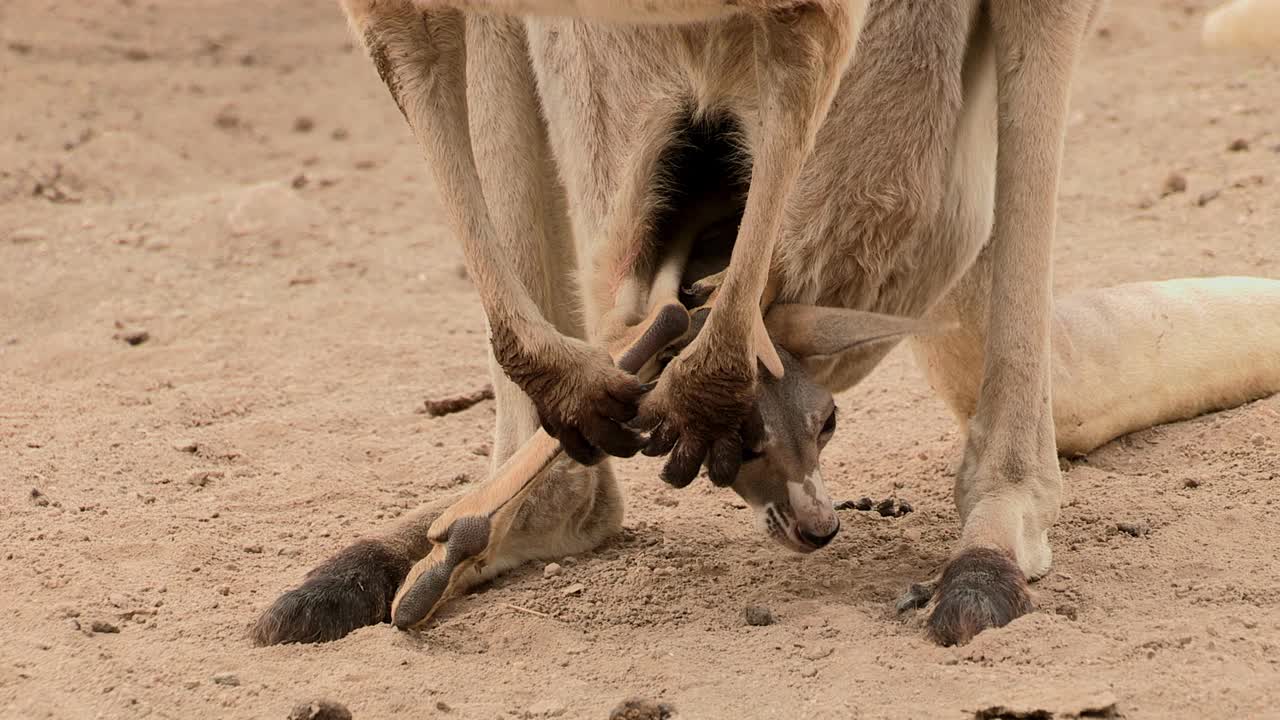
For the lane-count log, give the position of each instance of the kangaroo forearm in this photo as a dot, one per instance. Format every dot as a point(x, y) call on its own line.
point(421, 58)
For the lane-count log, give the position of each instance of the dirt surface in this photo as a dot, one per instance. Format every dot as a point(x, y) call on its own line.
point(232, 180)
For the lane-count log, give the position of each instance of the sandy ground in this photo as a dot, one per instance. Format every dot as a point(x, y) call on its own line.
point(232, 179)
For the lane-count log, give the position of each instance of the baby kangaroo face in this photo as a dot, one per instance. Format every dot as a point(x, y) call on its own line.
point(781, 476)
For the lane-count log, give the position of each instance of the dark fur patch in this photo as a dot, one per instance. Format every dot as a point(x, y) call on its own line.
point(382, 62)
point(981, 588)
point(349, 590)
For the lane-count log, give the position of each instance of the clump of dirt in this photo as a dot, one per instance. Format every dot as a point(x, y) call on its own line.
point(641, 709)
point(758, 616)
point(320, 710)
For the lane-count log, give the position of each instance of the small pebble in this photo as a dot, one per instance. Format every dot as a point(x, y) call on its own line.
point(1258, 439)
point(1191, 483)
point(1175, 183)
point(551, 570)
point(38, 498)
point(320, 710)
point(188, 446)
point(574, 589)
point(224, 590)
point(1207, 197)
point(1238, 145)
point(133, 337)
point(254, 549)
point(303, 124)
point(102, 626)
point(226, 678)
point(758, 616)
point(201, 478)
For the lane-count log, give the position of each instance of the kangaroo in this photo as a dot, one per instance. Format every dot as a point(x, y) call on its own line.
point(905, 192)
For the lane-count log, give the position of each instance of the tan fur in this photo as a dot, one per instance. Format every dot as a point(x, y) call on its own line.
point(906, 208)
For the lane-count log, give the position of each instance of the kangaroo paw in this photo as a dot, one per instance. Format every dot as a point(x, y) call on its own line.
point(582, 399)
point(441, 575)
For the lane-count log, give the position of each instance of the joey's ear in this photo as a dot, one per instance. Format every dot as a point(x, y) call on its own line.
point(805, 330)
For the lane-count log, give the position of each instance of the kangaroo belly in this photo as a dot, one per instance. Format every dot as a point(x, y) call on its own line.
point(898, 199)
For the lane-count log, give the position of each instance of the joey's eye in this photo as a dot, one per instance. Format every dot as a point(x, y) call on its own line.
point(749, 454)
point(829, 426)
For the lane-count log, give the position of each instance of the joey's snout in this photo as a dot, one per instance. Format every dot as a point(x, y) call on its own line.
point(816, 519)
point(801, 518)
point(818, 541)
point(781, 476)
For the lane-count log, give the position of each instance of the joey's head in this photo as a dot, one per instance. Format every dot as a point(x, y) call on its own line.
point(781, 476)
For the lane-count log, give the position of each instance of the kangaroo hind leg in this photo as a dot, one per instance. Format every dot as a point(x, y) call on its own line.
point(1008, 486)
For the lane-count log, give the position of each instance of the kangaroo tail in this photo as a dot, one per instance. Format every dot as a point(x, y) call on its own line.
point(1133, 356)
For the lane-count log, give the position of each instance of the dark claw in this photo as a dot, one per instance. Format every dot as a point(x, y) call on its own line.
point(916, 597)
point(661, 441)
point(622, 402)
point(725, 461)
point(683, 464)
point(577, 447)
point(621, 411)
point(617, 440)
